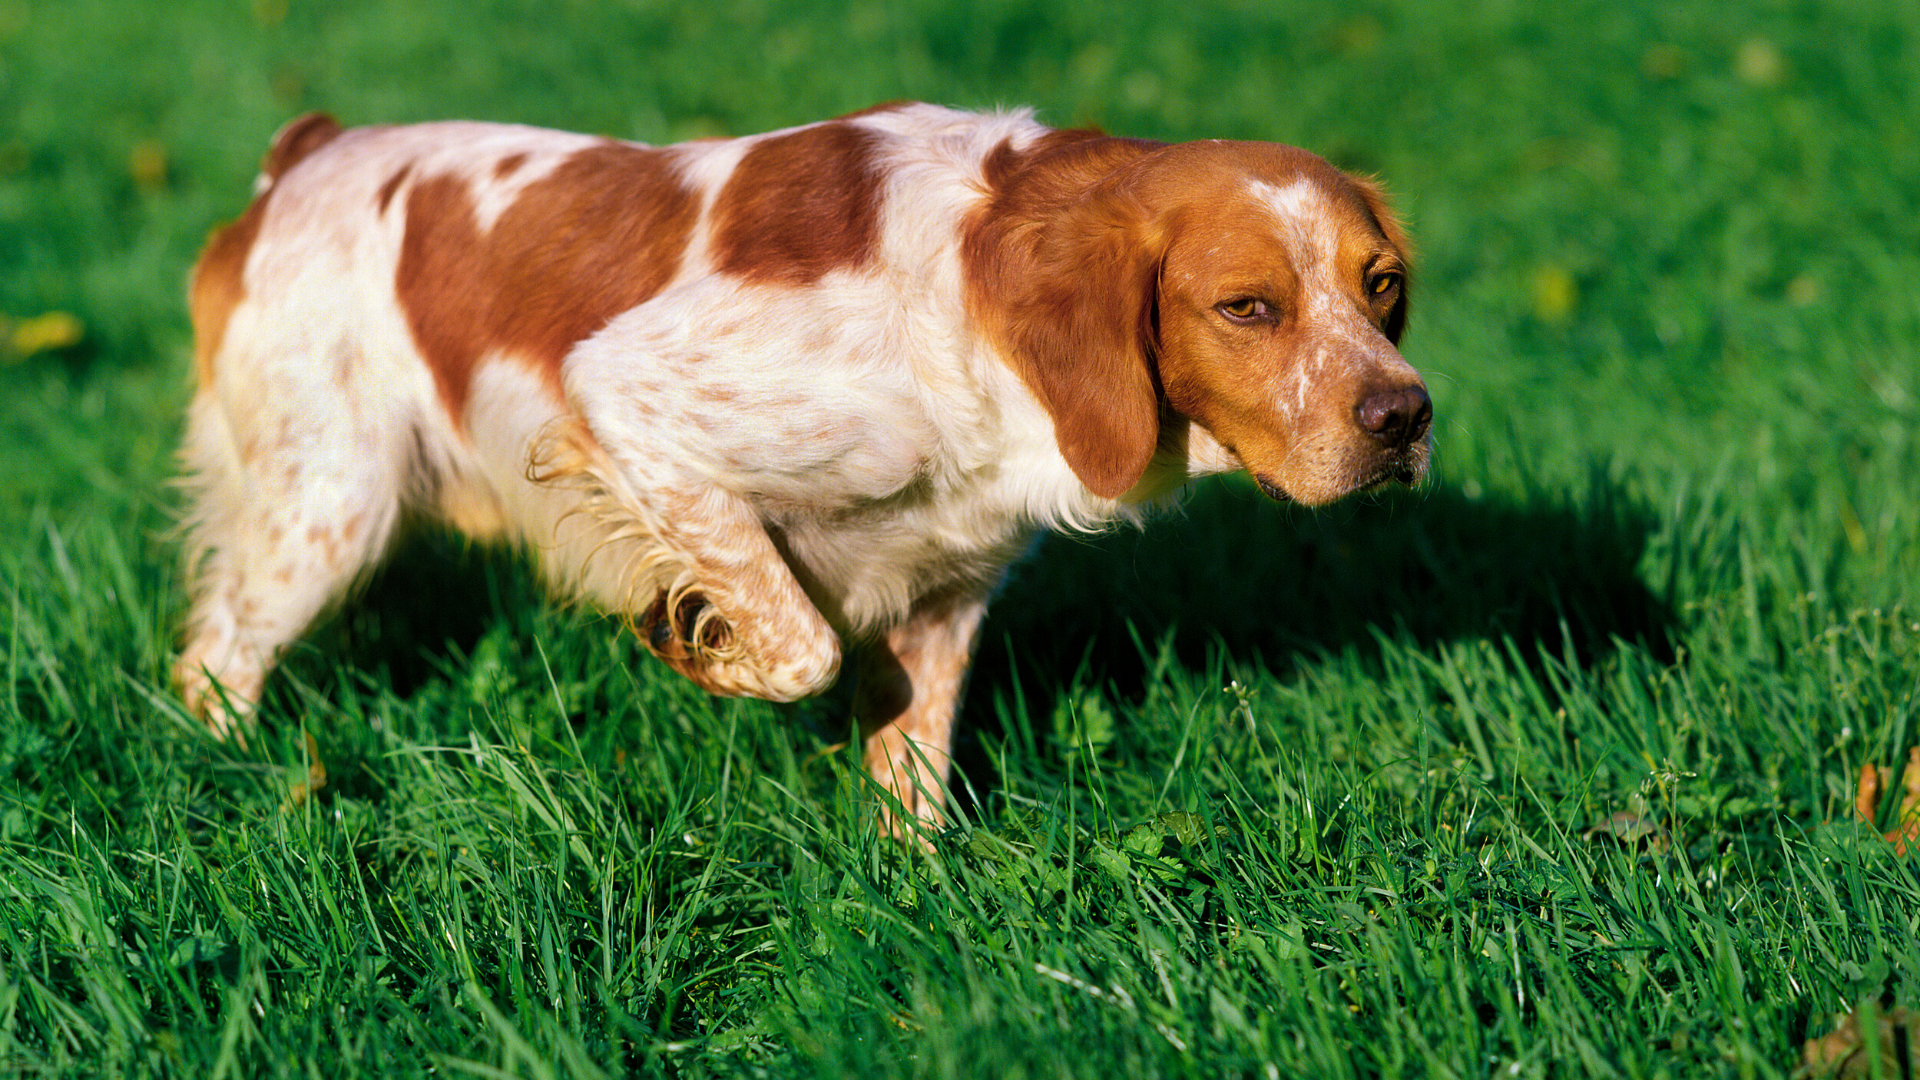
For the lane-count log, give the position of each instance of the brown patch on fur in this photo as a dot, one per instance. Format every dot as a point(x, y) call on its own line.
point(508, 165)
point(393, 185)
point(300, 137)
point(602, 233)
point(219, 277)
point(219, 285)
point(1061, 267)
point(873, 110)
point(319, 536)
point(800, 205)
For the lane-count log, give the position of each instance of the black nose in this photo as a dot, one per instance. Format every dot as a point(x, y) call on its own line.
point(1396, 418)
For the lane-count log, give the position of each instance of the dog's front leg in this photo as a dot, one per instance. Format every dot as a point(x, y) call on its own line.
point(911, 679)
point(735, 620)
point(690, 563)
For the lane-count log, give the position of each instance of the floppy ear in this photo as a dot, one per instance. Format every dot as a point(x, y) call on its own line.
point(1082, 331)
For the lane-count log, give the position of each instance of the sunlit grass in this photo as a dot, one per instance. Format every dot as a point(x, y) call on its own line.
point(1545, 769)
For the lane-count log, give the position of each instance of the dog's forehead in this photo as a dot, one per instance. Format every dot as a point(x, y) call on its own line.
point(1261, 231)
point(1309, 217)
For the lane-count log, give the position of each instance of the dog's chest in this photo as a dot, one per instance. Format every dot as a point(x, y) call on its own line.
point(865, 566)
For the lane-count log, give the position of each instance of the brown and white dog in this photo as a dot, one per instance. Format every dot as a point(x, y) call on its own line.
point(769, 394)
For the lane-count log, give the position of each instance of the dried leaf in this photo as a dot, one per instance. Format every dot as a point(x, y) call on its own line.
point(1866, 799)
point(298, 795)
point(1845, 1053)
point(1632, 829)
point(147, 164)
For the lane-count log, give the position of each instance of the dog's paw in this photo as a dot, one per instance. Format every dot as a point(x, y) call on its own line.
point(685, 628)
point(692, 636)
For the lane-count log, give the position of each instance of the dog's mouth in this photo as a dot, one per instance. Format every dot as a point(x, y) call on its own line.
point(1272, 489)
point(1406, 472)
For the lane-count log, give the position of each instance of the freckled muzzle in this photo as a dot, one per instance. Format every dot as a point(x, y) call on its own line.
point(1386, 439)
point(1394, 424)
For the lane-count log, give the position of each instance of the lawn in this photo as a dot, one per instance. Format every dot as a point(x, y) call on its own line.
point(1547, 768)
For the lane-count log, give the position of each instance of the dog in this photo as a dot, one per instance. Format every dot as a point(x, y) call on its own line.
point(772, 397)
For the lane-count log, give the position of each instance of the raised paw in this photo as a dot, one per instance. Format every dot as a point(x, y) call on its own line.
point(685, 628)
point(691, 635)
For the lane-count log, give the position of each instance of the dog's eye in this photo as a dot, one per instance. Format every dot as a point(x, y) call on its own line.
point(1385, 285)
point(1245, 309)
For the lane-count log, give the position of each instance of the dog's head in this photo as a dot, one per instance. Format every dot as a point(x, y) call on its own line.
point(1248, 288)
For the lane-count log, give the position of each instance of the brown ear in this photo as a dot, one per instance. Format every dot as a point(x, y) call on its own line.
point(1082, 331)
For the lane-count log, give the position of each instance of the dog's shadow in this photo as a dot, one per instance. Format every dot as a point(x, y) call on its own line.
point(1229, 575)
point(1265, 587)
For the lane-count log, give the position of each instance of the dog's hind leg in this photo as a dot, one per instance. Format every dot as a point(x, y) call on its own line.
point(294, 499)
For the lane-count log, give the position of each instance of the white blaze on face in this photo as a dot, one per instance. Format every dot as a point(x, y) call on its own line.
point(1308, 221)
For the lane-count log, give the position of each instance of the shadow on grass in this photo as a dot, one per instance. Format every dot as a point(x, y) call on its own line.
point(427, 607)
point(1270, 585)
point(1230, 575)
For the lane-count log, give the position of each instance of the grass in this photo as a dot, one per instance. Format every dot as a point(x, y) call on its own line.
point(1544, 770)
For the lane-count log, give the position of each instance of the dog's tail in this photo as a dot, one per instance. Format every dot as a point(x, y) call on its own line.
point(300, 137)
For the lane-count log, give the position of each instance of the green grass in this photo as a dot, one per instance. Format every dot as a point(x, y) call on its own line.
point(1543, 770)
